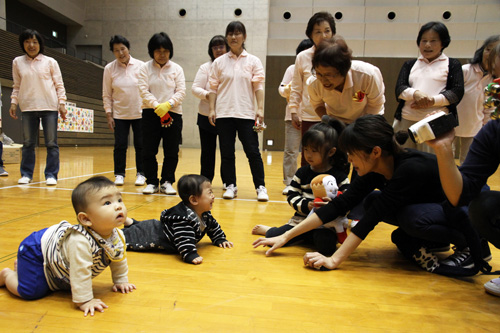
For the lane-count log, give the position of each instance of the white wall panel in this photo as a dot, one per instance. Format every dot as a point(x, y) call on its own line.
point(461, 49)
point(459, 13)
point(488, 13)
point(403, 14)
point(484, 30)
point(392, 49)
point(391, 31)
point(298, 14)
point(461, 31)
point(374, 3)
point(350, 14)
point(351, 30)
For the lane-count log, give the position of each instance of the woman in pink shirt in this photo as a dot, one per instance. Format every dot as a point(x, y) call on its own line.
point(433, 82)
point(122, 104)
point(39, 92)
point(236, 82)
point(162, 87)
point(208, 134)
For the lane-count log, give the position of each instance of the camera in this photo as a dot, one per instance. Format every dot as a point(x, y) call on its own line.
point(433, 126)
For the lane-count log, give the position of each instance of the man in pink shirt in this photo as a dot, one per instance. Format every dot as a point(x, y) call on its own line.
point(39, 92)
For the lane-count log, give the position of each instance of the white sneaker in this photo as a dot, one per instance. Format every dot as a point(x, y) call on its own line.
point(24, 180)
point(167, 188)
point(493, 287)
point(231, 192)
point(286, 189)
point(140, 180)
point(118, 180)
point(262, 193)
point(150, 189)
point(51, 181)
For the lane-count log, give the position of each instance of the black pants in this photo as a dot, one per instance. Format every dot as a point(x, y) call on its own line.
point(324, 240)
point(484, 213)
point(227, 129)
point(208, 141)
point(122, 129)
point(153, 133)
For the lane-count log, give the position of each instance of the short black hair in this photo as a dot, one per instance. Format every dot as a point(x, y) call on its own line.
point(160, 40)
point(30, 33)
point(441, 30)
point(79, 196)
point(317, 18)
point(118, 39)
point(236, 26)
point(478, 55)
point(189, 185)
point(335, 53)
point(216, 41)
point(304, 45)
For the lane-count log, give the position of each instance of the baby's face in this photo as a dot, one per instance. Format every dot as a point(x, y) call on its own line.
point(206, 199)
point(106, 210)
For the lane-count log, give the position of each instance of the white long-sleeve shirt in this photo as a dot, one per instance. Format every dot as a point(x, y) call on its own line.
point(120, 94)
point(161, 84)
point(38, 83)
point(200, 87)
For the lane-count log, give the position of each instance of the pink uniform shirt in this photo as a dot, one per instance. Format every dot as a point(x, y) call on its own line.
point(362, 77)
point(430, 78)
point(235, 81)
point(287, 78)
point(120, 94)
point(200, 87)
point(161, 84)
point(38, 83)
point(299, 96)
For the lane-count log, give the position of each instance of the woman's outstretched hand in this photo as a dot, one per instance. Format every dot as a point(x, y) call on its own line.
point(317, 260)
point(274, 242)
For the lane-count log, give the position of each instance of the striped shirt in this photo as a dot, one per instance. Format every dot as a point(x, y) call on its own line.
point(72, 258)
point(184, 229)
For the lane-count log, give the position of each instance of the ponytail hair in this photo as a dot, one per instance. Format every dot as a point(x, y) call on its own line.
point(370, 131)
point(323, 137)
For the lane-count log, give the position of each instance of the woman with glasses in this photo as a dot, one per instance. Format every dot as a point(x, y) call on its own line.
point(344, 88)
point(208, 134)
point(433, 82)
point(236, 81)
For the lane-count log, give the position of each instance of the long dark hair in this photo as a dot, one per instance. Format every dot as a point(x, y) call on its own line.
point(478, 55)
point(323, 137)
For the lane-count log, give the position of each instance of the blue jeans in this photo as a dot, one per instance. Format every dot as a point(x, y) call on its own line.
point(31, 122)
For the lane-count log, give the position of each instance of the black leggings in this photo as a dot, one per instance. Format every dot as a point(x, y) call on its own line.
point(324, 240)
point(484, 213)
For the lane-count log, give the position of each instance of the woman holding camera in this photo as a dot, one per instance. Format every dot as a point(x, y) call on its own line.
point(410, 197)
point(430, 83)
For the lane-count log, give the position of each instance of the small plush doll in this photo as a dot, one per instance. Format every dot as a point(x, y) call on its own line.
point(492, 94)
point(325, 185)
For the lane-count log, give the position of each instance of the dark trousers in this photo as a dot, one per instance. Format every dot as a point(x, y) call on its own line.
point(153, 133)
point(208, 141)
point(484, 213)
point(122, 128)
point(1, 154)
point(425, 221)
point(324, 240)
point(306, 125)
point(227, 129)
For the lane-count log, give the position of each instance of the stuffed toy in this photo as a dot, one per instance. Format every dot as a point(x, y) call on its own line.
point(492, 94)
point(325, 185)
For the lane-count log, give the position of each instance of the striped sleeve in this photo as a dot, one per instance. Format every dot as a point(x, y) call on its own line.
point(300, 195)
point(214, 231)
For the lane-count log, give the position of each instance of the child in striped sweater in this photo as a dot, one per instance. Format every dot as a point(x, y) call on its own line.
point(181, 227)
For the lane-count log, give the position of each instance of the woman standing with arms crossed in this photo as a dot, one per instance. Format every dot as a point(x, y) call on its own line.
point(39, 92)
point(208, 133)
point(430, 83)
point(236, 82)
point(162, 87)
point(320, 26)
point(122, 104)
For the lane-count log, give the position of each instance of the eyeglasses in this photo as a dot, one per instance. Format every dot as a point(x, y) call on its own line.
point(219, 48)
point(329, 77)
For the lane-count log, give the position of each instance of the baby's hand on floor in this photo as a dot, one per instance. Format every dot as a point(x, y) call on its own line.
point(125, 288)
point(197, 260)
point(226, 244)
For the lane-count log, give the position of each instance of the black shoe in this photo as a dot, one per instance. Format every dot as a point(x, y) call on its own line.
point(463, 258)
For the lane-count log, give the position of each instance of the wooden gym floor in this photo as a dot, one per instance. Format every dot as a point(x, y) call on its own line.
point(239, 289)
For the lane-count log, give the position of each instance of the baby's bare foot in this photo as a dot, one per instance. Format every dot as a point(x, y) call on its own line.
point(260, 229)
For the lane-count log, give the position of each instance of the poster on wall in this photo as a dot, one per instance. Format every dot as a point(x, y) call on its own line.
point(77, 120)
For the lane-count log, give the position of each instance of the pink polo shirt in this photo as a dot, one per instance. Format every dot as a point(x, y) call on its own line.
point(471, 112)
point(38, 83)
point(120, 94)
point(287, 78)
point(362, 77)
point(161, 84)
point(430, 78)
point(299, 96)
point(235, 81)
point(200, 87)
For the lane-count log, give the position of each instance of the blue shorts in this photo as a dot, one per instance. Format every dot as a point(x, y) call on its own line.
point(30, 272)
